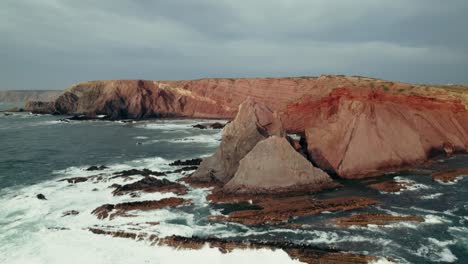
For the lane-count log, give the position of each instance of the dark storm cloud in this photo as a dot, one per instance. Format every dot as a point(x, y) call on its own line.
point(54, 43)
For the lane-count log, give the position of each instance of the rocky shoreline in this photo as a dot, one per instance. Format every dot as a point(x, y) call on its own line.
point(250, 209)
point(351, 126)
point(262, 174)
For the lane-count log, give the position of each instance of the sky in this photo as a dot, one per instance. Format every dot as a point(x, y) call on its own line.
point(52, 44)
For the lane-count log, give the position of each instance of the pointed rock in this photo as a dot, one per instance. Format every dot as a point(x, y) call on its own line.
point(274, 166)
point(253, 123)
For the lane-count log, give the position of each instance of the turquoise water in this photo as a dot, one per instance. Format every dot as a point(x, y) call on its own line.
point(36, 151)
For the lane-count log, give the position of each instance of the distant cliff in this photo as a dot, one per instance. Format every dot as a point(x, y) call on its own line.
point(29, 95)
point(218, 98)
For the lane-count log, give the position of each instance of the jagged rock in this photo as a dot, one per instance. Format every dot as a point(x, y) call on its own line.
point(190, 162)
point(41, 197)
point(121, 209)
point(150, 184)
point(215, 125)
point(253, 123)
point(274, 166)
point(132, 172)
point(97, 168)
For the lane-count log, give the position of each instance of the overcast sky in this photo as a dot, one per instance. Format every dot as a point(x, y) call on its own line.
point(51, 44)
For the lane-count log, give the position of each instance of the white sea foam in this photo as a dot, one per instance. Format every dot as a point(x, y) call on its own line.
point(382, 261)
point(212, 140)
point(179, 125)
point(431, 196)
point(79, 246)
point(437, 250)
point(28, 220)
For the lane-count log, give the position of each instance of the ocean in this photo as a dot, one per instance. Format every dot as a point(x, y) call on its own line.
point(36, 151)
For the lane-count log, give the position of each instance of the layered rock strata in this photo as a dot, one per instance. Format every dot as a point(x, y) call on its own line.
point(355, 126)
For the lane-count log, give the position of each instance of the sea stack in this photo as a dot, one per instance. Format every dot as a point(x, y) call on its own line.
point(274, 166)
point(253, 123)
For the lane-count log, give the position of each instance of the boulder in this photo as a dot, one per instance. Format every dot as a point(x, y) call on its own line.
point(274, 166)
point(253, 123)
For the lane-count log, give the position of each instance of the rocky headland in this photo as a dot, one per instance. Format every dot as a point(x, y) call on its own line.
point(353, 126)
point(290, 146)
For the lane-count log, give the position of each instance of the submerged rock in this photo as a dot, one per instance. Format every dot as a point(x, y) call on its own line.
point(143, 172)
point(121, 209)
point(253, 123)
point(450, 175)
point(69, 213)
point(279, 210)
point(390, 186)
point(274, 166)
point(215, 125)
point(76, 179)
point(97, 168)
point(41, 197)
point(365, 219)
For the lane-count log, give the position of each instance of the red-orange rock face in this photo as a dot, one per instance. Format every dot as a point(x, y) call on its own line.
point(356, 133)
point(355, 126)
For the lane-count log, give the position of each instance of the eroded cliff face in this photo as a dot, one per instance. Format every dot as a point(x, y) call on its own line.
point(220, 98)
point(357, 133)
point(355, 126)
point(138, 99)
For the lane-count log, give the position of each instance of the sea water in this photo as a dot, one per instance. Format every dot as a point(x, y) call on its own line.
point(38, 150)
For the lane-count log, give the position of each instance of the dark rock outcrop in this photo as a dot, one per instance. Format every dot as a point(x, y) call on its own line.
point(121, 209)
point(133, 172)
point(190, 162)
point(41, 197)
point(97, 168)
point(215, 125)
point(151, 184)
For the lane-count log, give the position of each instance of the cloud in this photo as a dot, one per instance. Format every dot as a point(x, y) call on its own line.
point(53, 43)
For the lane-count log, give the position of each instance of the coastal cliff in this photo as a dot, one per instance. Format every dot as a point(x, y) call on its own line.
point(29, 95)
point(352, 126)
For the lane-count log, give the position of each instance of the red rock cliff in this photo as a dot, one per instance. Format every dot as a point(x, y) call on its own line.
point(355, 126)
